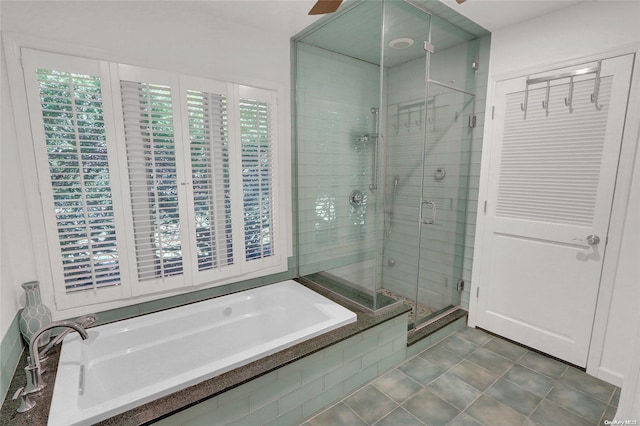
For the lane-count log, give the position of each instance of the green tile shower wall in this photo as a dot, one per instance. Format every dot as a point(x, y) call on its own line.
point(10, 351)
point(334, 97)
point(295, 392)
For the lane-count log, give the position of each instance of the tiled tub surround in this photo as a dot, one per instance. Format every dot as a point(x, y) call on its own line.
point(376, 342)
point(473, 378)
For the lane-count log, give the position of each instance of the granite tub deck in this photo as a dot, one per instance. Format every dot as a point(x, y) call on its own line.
point(173, 403)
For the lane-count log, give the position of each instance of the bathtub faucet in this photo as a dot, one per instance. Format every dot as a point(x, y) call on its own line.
point(34, 369)
point(85, 321)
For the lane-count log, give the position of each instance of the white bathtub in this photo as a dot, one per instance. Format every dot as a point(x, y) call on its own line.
point(128, 363)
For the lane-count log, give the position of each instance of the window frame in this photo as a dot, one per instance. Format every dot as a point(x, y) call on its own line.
point(131, 291)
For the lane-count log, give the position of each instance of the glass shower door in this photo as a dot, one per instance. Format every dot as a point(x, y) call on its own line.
point(443, 201)
point(429, 101)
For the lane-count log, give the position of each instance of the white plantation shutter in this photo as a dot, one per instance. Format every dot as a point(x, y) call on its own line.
point(210, 174)
point(73, 122)
point(76, 170)
point(257, 177)
point(151, 181)
point(151, 161)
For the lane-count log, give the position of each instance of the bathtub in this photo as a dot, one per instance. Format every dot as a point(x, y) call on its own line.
point(128, 363)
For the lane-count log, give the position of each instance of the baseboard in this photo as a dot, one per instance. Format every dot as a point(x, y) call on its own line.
point(610, 376)
point(11, 348)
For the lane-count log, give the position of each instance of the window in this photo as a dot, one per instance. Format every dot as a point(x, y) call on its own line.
point(151, 180)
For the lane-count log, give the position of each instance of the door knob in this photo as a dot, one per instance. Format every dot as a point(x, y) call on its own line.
point(593, 240)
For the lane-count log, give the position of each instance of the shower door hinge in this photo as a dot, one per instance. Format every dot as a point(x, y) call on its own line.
point(477, 292)
point(493, 112)
point(485, 206)
point(429, 47)
point(473, 120)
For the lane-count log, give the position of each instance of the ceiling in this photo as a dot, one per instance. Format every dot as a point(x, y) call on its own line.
point(495, 14)
point(357, 33)
point(290, 16)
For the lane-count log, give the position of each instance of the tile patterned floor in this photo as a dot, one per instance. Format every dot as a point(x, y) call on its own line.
point(473, 378)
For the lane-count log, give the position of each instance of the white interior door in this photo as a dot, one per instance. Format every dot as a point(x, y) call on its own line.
point(552, 174)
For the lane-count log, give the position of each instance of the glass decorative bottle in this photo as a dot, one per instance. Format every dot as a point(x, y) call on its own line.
point(35, 315)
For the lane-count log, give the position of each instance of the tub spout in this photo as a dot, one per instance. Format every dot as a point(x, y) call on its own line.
point(34, 370)
point(85, 321)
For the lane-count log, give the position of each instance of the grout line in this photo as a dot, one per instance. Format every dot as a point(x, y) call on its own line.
point(499, 376)
point(403, 409)
point(352, 410)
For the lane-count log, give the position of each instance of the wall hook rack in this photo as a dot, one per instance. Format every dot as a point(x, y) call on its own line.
point(568, 101)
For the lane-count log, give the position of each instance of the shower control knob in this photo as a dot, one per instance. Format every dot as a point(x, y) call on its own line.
point(593, 240)
point(356, 198)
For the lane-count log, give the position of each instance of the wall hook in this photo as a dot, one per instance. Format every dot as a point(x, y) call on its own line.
point(596, 88)
point(568, 101)
point(545, 103)
point(523, 106)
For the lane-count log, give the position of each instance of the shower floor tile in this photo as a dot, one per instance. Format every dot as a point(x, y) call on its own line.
point(474, 378)
point(423, 310)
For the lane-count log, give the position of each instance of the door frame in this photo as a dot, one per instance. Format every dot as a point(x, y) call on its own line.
point(622, 189)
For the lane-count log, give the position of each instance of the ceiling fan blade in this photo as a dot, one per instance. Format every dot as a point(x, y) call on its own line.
point(325, 6)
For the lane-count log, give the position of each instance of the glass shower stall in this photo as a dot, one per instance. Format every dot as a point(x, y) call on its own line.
point(386, 115)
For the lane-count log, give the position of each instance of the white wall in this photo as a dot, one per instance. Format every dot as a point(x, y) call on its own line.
point(16, 252)
point(583, 31)
point(573, 32)
point(629, 271)
point(196, 38)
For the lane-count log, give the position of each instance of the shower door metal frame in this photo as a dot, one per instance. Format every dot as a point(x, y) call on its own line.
point(425, 121)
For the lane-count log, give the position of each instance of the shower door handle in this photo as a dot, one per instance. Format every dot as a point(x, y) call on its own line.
point(430, 220)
